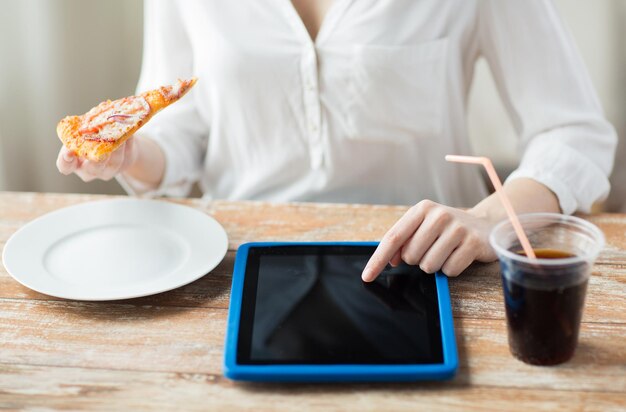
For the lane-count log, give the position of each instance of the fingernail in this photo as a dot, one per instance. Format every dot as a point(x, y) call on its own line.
point(366, 275)
point(68, 156)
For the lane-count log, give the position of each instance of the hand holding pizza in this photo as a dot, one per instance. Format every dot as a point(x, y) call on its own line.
point(117, 162)
point(98, 144)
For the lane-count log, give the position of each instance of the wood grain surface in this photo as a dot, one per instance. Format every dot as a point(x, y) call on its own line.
point(164, 352)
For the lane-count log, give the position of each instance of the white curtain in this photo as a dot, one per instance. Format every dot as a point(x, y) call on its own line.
point(615, 105)
point(2, 177)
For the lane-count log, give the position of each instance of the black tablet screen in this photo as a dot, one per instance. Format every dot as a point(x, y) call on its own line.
point(308, 305)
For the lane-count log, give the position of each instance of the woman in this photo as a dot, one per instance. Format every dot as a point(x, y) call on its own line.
point(359, 101)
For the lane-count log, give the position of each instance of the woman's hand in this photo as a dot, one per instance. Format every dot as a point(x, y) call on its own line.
point(119, 161)
point(435, 237)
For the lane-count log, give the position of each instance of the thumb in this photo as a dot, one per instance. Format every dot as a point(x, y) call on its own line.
point(67, 162)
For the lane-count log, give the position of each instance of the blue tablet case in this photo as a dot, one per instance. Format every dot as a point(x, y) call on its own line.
point(334, 373)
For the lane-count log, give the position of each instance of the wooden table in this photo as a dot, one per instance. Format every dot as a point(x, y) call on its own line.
point(165, 351)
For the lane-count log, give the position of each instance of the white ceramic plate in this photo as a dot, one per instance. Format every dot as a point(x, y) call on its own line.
point(115, 249)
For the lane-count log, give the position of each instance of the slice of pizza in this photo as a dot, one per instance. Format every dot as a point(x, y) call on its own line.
point(100, 131)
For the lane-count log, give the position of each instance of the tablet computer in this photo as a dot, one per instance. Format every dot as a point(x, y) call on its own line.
point(300, 312)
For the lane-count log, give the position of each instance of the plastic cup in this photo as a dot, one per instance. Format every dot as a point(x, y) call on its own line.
point(544, 298)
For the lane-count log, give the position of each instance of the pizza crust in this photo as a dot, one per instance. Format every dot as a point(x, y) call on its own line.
point(69, 128)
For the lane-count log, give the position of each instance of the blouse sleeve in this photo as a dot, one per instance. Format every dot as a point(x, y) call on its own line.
point(179, 130)
point(568, 144)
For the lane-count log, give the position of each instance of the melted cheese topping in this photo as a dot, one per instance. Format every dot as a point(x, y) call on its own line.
point(111, 120)
point(175, 90)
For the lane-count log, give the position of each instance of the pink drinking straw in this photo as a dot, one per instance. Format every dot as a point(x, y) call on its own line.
point(491, 171)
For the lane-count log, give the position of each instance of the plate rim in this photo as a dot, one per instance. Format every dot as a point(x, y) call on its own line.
point(205, 270)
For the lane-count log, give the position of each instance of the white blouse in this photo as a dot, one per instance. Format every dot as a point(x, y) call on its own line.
point(367, 111)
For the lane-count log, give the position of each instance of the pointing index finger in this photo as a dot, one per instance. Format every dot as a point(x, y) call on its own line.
point(392, 242)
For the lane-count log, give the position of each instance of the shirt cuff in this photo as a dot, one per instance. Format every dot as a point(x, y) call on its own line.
point(575, 179)
point(136, 188)
point(567, 201)
point(173, 184)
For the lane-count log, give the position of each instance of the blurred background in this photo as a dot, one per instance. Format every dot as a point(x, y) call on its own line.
point(60, 57)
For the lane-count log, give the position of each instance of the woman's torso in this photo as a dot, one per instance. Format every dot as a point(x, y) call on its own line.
point(364, 114)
